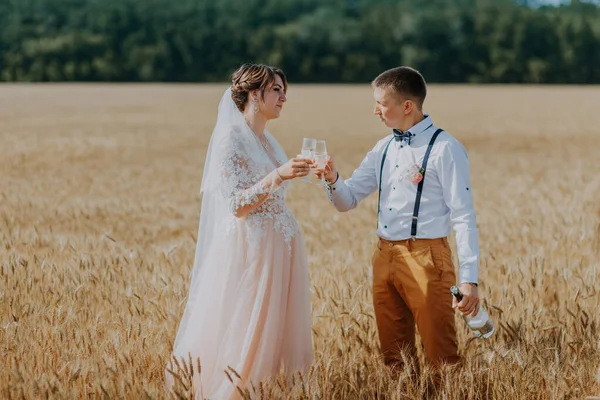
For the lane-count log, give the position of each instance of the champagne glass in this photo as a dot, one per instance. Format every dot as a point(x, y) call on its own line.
point(308, 148)
point(321, 158)
point(320, 147)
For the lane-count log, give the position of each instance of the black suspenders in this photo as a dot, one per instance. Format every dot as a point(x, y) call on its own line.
point(381, 179)
point(413, 229)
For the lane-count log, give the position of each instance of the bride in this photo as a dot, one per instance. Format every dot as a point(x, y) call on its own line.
point(248, 306)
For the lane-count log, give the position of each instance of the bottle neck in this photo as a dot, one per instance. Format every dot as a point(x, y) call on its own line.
point(456, 293)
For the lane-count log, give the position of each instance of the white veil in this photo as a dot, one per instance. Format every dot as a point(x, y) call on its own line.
point(228, 118)
point(214, 209)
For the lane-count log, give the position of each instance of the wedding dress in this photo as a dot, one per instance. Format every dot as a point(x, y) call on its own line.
point(248, 306)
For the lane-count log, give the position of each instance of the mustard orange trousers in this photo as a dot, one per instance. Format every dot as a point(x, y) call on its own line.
point(411, 286)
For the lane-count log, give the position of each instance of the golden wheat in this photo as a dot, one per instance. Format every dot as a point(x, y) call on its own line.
point(99, 210)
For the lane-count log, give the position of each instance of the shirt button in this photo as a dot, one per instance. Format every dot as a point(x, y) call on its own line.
point(390, 209)
point(394, 188)
point(385, 226)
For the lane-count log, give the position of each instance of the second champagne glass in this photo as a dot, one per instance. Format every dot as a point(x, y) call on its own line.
point(321, 158)
point(308, 149)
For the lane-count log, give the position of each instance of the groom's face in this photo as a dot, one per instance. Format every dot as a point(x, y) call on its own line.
point(389, 107)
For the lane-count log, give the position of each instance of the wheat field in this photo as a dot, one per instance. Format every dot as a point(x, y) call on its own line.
point(99, 206)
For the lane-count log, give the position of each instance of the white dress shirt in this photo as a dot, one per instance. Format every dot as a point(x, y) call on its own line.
point(446, 196)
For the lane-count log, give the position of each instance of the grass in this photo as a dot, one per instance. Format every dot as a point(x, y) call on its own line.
point(99, 211)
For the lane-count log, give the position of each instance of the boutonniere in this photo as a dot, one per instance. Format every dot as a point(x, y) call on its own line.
point(415, 173)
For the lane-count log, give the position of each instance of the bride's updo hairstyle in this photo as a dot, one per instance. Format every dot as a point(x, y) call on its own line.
point(251, 77)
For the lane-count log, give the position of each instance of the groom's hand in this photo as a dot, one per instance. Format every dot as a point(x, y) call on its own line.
point(470, 302)
point(330, 171)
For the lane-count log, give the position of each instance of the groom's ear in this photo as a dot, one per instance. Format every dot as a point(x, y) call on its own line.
point(408, 106)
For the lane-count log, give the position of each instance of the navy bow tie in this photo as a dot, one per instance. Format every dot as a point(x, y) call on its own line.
point(399, 135)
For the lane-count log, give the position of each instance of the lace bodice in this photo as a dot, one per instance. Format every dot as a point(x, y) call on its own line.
point(245, 170)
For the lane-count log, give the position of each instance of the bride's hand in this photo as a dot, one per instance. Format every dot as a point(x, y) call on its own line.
point(295, 168)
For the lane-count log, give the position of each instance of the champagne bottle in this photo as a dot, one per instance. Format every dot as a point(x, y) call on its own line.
point(480, 324)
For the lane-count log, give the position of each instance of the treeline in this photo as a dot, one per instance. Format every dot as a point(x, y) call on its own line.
point(498, 41)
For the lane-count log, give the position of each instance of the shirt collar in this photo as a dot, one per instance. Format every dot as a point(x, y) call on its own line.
point(422, 126)
point(414, 130)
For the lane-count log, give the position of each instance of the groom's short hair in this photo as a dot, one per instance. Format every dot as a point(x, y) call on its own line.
point(404, 81)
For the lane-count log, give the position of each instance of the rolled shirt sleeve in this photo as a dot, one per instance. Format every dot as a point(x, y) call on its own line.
point(345, 195)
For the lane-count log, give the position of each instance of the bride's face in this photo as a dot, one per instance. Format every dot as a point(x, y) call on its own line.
point(272, 103)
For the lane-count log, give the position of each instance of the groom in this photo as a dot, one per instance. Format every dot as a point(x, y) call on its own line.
point(421, 174)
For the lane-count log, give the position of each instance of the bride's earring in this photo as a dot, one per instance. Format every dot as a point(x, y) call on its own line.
point(255, 106)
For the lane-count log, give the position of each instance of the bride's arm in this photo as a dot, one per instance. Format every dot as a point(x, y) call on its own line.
point(243, 199)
